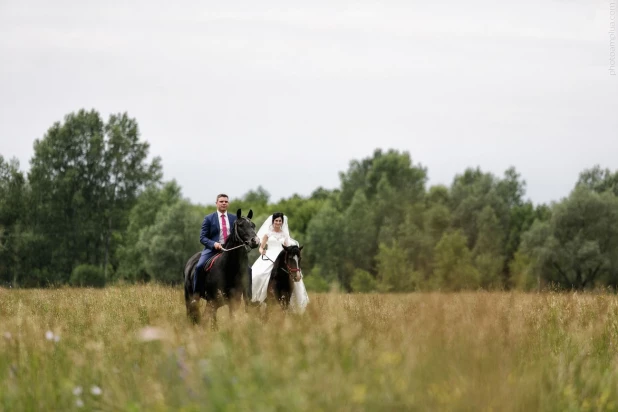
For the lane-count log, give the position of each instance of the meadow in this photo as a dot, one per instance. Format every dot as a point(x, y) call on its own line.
point(132, 349)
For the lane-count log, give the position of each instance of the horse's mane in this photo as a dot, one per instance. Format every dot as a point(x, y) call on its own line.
point(228, 241)
point(277, 262)
point(281, 256)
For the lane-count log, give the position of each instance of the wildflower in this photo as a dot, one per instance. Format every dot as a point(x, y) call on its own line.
point(77, 390)
point(79, 403)
point(7, 335)
point(95, 390)
point(150, 333)
point(49, 335)
point(56, 338)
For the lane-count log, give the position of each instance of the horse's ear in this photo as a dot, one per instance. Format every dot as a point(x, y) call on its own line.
point(301, 247)
point(250, 215)
point(285, 247)
point(238, 213)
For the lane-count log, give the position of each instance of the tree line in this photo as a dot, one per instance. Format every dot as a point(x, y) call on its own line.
point(93, 210)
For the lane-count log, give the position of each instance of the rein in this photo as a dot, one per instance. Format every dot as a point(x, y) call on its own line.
point(230, 249)
point(267, 258)
point(245, 243)
point(286, 264)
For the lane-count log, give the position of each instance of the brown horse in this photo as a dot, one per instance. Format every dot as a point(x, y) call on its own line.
point(286, 271)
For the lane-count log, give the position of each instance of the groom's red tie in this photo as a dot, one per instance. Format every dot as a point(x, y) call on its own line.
point(224, 226)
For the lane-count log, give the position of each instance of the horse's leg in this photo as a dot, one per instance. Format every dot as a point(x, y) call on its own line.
point(193, 306)
point(287, 303)
point(193, 311)
point(284, 295)
point(247, 289)
point(288, 294)
point(282, 300)
point(233, 302)
point(187, 296)
point(211, 308)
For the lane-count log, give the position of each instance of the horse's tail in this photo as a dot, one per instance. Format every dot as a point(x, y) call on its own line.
point(192, 309)
point(188, 274)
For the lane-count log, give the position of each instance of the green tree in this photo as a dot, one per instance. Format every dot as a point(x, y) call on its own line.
point(143, 215)
point(578, 246)
point(471, 192)
point(453, 263)
point(67, 176)
point(316, 281)
point(474, 191)
point(127, 172)
point(487, 251)
point(170, 241)
point(88, 276)
point(511, 188)
point(525, 272)
point(323, 194)
point(375, 194)
point(599, 180)
point(363, 281)
point(360, 235)
point(13, 201)
point(85, 176)
point(436, 221)
point(258, 197)
point(398, 170)
point(395, 272)
point(327, 244)
point(521, 218)
point(299, 211)
point(256, 200)
point(437, 195)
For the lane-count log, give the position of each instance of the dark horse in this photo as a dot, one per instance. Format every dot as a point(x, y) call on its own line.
point(226, 273)
point(286, 271)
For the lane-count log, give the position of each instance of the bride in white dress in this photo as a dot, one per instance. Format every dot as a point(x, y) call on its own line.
point(274, 234)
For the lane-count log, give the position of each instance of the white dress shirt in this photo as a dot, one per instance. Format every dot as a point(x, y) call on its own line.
point(227, 225)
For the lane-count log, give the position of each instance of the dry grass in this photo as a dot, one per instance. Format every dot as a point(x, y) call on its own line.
point(466, 351)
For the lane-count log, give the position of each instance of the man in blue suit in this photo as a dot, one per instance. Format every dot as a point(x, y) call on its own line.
point(216, 227)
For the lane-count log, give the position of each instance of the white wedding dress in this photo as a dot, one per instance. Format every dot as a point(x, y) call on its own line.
point(262, 267)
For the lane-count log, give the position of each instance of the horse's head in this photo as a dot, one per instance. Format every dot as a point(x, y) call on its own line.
point(244, 230)
point(291, 260)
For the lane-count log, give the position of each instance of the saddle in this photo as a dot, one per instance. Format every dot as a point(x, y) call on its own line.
point(211, 261)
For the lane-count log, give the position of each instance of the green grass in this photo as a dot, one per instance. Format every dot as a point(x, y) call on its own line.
point(465, 351)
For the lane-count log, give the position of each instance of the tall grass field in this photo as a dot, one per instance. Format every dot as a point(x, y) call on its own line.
point(133, 349)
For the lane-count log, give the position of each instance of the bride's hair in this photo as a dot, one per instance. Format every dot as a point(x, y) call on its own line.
point(276, 215)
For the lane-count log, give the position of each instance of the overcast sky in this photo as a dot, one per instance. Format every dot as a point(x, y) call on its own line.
point(292, 91)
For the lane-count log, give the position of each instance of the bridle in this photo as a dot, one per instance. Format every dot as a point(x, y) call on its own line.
point(246, 243)
point(289, 270)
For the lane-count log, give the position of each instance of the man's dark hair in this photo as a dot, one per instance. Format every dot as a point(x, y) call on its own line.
point(222, 195)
